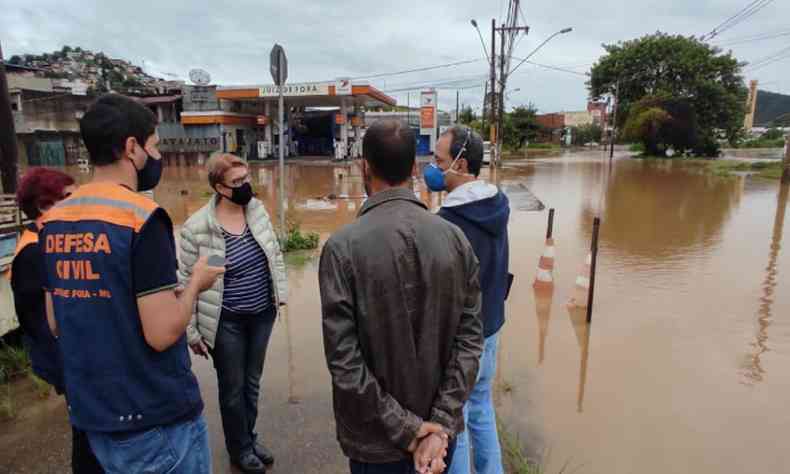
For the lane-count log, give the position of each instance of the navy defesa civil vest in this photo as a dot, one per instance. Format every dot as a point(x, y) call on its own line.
point(114, 380)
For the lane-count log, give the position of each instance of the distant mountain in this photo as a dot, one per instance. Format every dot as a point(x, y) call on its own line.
point(773, 109)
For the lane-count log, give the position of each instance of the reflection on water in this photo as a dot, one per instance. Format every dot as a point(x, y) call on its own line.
point(754, 371)
point(655, 210)
point(578, 318)
point(543, 301)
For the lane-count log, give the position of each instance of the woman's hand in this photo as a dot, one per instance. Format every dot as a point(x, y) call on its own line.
point(199, 349)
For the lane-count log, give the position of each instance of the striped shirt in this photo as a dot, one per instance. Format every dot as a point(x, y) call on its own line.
point(248, 283)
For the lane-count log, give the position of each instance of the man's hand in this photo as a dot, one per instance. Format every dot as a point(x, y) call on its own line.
point(204, 275)
point(199, 348)
point(430, 454)
point(426, 428)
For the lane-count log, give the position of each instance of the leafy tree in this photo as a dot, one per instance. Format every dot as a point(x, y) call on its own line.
point(682, 68)
point(66, 49)
point(15, 59)
point(587, 134)
point(467, 115)
point(520, 126)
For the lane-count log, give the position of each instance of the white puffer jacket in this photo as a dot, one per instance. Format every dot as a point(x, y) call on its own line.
point(202, 235)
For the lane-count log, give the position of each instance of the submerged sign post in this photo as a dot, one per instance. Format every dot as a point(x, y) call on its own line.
point(278, 65)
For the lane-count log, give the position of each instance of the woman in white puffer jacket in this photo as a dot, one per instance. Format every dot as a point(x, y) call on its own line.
point(233, 320)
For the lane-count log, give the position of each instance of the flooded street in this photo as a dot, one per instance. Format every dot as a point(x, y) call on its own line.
point(686, 368)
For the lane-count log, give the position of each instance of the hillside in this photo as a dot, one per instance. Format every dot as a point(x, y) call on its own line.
point(770, 107)
point(99, 72)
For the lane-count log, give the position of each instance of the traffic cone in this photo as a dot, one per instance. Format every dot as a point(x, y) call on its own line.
point(544, 280)
point(582, 288)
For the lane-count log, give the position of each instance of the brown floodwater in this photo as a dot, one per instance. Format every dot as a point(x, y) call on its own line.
point(685, 368)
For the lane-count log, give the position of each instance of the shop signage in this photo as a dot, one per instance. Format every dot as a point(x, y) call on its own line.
point(182, 144)
point(343, 86)
point(295, 90)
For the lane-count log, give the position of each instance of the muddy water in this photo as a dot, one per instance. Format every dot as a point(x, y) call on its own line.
point(685, 368)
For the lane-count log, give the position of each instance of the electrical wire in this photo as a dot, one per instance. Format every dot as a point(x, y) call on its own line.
point(744, 14)
point(421, 69)
point(754, 38)
point(770, 59)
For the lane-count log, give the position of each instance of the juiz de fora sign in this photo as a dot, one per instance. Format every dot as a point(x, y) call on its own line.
point(295, 90)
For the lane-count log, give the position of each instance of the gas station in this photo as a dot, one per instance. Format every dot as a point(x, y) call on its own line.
point(321, 118)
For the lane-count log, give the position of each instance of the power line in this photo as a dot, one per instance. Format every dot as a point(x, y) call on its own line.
point(422, 69)
point(744, 14)
point(770, 59)
point(755, 38)
point(554, 68)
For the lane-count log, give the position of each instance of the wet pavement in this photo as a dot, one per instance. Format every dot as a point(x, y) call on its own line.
point(684, 369)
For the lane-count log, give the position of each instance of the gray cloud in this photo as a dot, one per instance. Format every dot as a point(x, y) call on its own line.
point(327, 39)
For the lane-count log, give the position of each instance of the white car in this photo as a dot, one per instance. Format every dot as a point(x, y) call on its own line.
point(486, 153)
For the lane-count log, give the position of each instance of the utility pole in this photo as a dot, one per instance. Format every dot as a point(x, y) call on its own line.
point(457, 107)
point(502, 79)
point(8, 150)
point(492, 102)
point(614, 119)
point(786, 162)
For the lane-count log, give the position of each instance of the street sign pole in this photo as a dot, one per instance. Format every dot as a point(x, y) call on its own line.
point(279, 68)
point(282, 165)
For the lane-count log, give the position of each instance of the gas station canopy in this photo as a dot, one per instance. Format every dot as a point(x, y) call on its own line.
point(311, 94)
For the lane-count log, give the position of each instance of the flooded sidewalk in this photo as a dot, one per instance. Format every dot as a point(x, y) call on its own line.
point(684, 369)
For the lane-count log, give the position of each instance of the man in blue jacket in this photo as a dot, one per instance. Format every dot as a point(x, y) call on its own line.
point(482, 211)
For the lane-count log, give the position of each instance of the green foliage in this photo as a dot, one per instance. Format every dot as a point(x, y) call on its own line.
point(467, 115)
point(679, 68)
point(645, 126)
point(587, 134)
point(772, 109)
point(520, 125)
point(66, 49)
point(543, 146)
point(636, 148)
point(295, 239)
point(728, 168)
point(42, 388)
point(15, 59)
point(14, 362)
point(763, 142)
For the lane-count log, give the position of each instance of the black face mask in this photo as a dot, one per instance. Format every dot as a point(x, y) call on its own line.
point(242, 195)
point(149, 176)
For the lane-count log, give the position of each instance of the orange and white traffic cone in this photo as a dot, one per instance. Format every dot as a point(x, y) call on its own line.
point(582, 288)
point(544, 280)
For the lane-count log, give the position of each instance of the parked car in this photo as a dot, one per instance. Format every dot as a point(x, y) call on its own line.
point(486, 153)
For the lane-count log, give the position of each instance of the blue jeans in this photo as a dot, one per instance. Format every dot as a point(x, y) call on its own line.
point(480, 420)
point(181, 448)
point(239, 352)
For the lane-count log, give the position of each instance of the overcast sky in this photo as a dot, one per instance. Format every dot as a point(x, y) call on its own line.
point(326, 39)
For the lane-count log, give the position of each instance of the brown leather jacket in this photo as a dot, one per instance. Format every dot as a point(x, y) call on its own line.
point(400, 298)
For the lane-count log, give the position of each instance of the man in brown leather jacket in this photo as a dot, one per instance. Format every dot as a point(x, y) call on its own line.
point(400, 297)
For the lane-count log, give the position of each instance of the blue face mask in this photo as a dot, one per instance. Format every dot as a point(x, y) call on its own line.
point(434, 176)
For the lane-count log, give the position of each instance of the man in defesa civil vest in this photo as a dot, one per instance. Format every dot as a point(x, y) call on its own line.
point(113, 302)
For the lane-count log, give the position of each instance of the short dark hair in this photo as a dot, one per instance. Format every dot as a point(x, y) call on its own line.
point(109, 122)
point(390, 147)
point(474, 147)
point(40, 188)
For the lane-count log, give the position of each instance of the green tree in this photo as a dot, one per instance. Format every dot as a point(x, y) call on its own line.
point(585, 134)
point(467, 115)
point(520, 126)
point(15, 59)
point(681, 68)
point(66, 49)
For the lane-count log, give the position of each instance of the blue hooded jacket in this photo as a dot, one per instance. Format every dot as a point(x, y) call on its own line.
point(482, 212)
